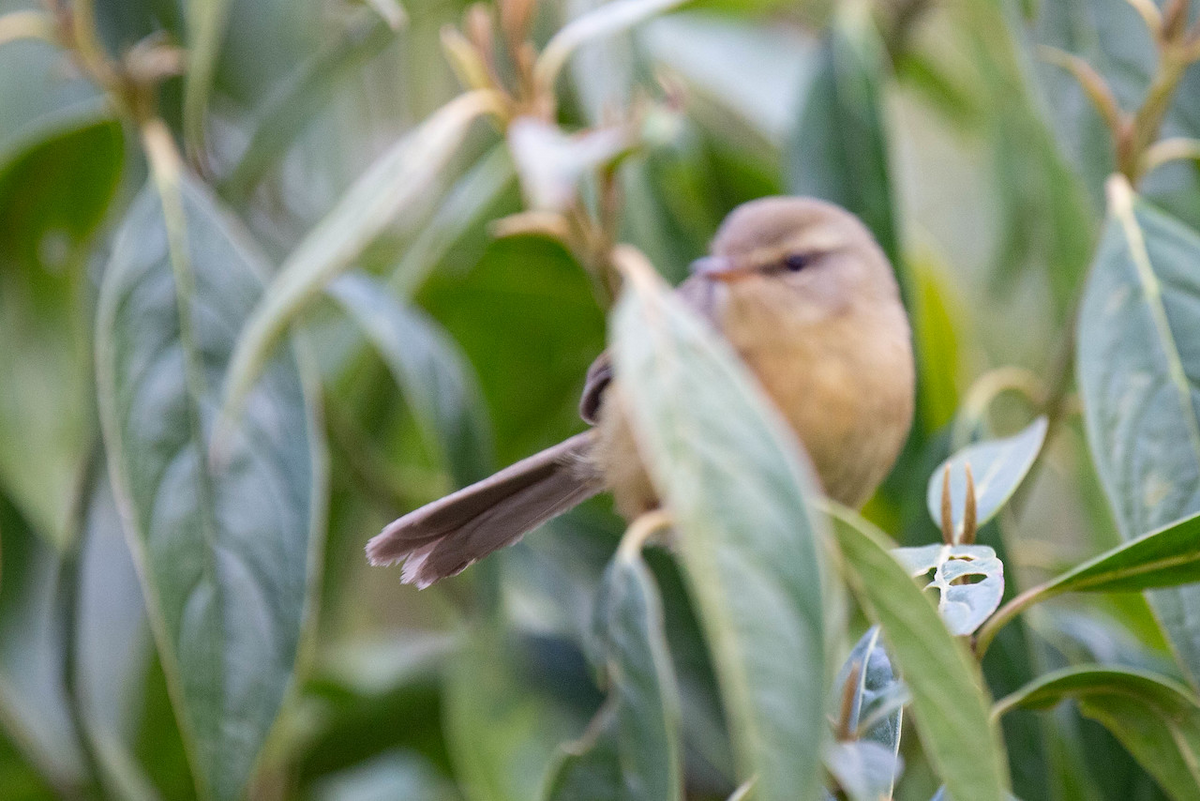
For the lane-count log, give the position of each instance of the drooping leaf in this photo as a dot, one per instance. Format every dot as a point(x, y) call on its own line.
point(731, 474)
point(1157, 720)
point(838, 151)
point(948, 702)
point(226, 542)
point(431, 372)
point(1138, 368)
point(400, 178)
point(997, 469)
point(964, 604)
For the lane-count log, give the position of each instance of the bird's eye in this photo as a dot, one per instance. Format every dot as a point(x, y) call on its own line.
point(795, 262)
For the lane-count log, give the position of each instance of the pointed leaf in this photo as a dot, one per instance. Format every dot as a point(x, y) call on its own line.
point(948, 702)
point(864, 770)
point(1138, 368)
point(430, 370)
point(225, 547)
point(1157, 720)
point(876, 681)
point(997, 468)
point(730, 472)
point(964, 605)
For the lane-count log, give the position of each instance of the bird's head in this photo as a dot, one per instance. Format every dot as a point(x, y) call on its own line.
point(798, 245)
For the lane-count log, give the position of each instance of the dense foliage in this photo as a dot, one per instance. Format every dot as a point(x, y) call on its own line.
point(273, 272)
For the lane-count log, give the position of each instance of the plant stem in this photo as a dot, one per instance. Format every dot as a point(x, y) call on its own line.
point(1006, 614)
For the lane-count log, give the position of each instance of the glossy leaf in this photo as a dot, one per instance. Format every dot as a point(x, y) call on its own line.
point(948, 702)
point(964, 603)
point(869, 662)
point(431, 371)
point(997, 468)
point(1138, 368)
point(839, 149)
point(396, 181)
point(226, 542)
point(1157, 720)
point(733, 478)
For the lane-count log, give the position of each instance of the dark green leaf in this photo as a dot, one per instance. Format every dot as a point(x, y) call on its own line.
point(1138, 368)
point(730, 473)
point(431, 371)
point(948, 703)
point(225, 542)
point(1155, 718)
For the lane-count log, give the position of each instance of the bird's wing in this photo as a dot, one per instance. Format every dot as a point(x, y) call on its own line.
point(697, 292)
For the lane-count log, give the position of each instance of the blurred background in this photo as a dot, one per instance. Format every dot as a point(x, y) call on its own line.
point(447, 352)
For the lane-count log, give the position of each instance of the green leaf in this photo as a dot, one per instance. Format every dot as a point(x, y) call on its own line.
point(503, 724)
point(730, 471)
point(964, 604)
point(1157, 720)
point(876, 681)
point(206, 20)
point(838, 151)
point(948, 701)
point(864, 770)
point(589, 769)
point(396, 181)
point(285, 114)
point(430, 370)
point(997, 466)
point(1138, 369)
point(226, 543)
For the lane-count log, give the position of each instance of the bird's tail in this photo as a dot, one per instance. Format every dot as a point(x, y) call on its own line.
point(441, 538)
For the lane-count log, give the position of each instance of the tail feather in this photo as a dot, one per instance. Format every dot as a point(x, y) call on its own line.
point(442, 538)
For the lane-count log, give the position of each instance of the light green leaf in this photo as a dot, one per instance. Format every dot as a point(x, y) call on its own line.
point(589, 769)
point(1138, 368)
point(876, 682)
point(464, 209)
point(731, 474)
point(400, 178)
point(838, 151)
point(964, 605)
point(863, 769)
point(206, 20)
point(430, 370)
point(1157, 720)
point(227, 548)
point(948, 701)
point(285, 114)
point(997, 467)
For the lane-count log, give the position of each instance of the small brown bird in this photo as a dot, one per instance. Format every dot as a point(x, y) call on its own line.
point(807, 298)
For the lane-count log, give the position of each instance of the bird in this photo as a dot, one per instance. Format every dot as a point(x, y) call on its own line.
point(810, 303)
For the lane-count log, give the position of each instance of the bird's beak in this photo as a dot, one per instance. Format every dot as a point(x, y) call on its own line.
point(720, 268)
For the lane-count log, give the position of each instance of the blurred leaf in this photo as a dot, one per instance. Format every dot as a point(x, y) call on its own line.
point(863, 769)
point(388, 777)
point(206, 20)
point(736, 495)
point(226, 542)
point(1157, 720)
point(464, 209)
point(398, 179)
point(503, 720)
point(286, 113)
point(590, 768)
point(1138, 366)
point(937, 322)
point(551, 164)
point(838, 151)
point(431, 371)
point(644, 699)
point(997, 467)
point(948, 701)
point(33, 705)
point(964, 603)
point(869, 662)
